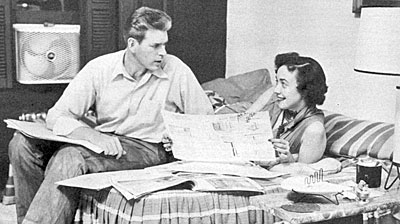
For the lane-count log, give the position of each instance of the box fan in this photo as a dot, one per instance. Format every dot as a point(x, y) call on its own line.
point(46, 54)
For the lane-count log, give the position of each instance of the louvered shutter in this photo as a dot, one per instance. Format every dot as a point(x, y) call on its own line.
point(100, 29)
point(198, 34)
point(6, 75)
point(127, 7)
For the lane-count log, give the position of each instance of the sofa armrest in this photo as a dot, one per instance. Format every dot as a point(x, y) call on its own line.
point(89, 118)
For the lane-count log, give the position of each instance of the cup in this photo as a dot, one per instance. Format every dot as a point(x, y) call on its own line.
point(369, 171)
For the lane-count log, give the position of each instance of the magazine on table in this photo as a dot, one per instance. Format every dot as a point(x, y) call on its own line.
point(136, 188)
point(221, 137)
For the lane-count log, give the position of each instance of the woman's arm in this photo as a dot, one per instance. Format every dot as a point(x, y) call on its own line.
point(261, 101)
point(313, 143)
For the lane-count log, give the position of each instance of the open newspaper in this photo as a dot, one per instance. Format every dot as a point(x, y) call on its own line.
point(132, 188)
point(224, 137)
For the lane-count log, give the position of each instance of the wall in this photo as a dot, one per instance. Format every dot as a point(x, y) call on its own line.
point(323, 29)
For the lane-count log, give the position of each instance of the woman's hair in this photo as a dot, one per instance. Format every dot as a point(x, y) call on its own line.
point(144, 19)
point(311, 81)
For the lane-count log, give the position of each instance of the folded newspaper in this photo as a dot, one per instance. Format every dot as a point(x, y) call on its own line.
point(224, 137)
point(136, 188)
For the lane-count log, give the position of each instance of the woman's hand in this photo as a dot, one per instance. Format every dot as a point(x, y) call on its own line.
point(167, 142)
point(283, 148)
point(266, 164)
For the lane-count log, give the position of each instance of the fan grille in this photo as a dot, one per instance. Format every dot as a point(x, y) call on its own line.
point(46, 56)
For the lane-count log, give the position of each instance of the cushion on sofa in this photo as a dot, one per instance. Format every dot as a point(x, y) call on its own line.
point(351, 137)
point(242, 87)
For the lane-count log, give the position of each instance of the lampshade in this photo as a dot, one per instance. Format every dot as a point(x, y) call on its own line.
point(378, 50)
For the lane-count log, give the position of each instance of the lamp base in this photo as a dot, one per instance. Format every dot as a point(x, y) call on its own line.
point(397, 165)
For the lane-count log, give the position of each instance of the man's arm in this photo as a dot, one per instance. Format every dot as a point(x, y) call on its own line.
point(76, 100)
point(193, 99)
point(110, 144)
point(64, 117)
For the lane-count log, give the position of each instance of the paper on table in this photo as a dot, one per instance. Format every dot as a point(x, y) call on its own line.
point(197, 182)
point(93, 181)
point(136, 188)
point(136, 183)
point(39, 130)
point(224, 137)
point(97, 181)
point(243, 170)
point(218, 182)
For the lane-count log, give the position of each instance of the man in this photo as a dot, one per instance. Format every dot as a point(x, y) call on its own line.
point(128, 89)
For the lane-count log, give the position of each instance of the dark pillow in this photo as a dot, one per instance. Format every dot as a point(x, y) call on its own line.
point(242, 87)
point(225, 88)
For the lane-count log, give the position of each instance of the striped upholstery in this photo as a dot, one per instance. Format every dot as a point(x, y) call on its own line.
point(347, 136)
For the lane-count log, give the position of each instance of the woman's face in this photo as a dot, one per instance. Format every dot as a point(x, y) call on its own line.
point(288, 96)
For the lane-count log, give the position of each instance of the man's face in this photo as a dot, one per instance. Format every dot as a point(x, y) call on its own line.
point(151, 51)
point(286, 90)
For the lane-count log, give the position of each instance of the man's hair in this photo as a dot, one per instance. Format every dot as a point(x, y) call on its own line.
point(144, 19)
point(311, 81)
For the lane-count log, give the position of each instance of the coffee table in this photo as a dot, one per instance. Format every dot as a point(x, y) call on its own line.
point(271, 203)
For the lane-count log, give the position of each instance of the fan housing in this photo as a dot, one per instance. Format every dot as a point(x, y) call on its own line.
point(46, 54)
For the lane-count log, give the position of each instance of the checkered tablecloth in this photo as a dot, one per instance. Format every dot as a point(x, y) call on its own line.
point(168, 206)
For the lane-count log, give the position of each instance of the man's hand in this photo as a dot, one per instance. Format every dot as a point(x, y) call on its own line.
point(283, 148)
point(167, 142)
point(110, 144)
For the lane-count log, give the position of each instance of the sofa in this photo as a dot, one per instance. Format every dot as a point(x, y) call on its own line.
point(346, 136)
point(347, 139)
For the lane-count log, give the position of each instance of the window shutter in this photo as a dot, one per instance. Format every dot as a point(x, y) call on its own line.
point(198, 34)
point(100, 29)
point(6, 74)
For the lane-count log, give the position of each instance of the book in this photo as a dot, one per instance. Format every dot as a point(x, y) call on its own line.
point(132, 188)
point(222, 137)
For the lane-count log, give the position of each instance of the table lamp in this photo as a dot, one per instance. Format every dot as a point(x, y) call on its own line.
point(378, 52)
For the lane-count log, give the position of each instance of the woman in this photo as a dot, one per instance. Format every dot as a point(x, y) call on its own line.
point(299, 132)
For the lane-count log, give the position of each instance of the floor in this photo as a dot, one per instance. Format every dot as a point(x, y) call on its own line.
point(7, 214)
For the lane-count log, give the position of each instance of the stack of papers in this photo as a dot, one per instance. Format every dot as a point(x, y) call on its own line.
point(196, 176)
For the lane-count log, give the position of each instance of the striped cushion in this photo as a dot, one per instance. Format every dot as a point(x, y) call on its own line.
point(352, 137)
